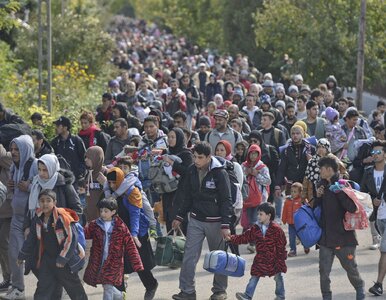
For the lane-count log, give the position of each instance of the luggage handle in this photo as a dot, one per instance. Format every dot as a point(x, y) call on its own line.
point(175, 231)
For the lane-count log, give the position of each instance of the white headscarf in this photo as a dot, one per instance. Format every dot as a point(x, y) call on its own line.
point(52, 164)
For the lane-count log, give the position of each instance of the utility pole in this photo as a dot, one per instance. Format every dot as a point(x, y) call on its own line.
point(49, 57)
point(40, 51)
point(361, 54)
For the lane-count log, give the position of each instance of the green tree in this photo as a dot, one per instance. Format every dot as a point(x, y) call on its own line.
point(321, 37)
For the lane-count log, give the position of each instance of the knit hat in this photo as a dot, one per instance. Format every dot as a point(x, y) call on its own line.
point(298, 127)
point(265, 99)
point(280, 88)
point(325, 144)
point(205, 121)
point(298, 77)
point(113, 83)
point(305, 87)
point(238, 91)
point(221, 113)
point(280, 103)
point(302, 124)
point(267, 76)
point(268, 83)
point(227, 103)
point(293, 88)
point(331, 113)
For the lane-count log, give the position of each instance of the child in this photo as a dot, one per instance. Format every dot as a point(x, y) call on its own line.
point(131, 178)
point(334, 132)
point(131, 212)
point(56, 263)
point(111, 239)
point(270, 251)
point(291, 205)
point(241, 151)
point(377, 119)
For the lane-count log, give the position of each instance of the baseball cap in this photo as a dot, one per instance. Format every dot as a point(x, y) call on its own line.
point(63, 121)
point(221, 113)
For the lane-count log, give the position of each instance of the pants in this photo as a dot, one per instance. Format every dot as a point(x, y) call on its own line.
point(292, 237)
point(197, 232)
point(5, 225)
point(110, 292)
point(16, 240)
point(278, 201)
point(252, 214)
point(346, 256)
point(279, 290)
point(50, 277)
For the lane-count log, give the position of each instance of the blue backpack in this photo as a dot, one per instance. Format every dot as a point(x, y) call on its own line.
point(81, 236)
point(306, 222)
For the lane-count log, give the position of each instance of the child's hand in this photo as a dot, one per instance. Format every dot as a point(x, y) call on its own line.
point(137, 242)
point(19, 262)
point(101, 179)
point(58, 265)
point(228, 238)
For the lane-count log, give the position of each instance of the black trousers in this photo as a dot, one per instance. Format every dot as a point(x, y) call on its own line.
point(50, 277)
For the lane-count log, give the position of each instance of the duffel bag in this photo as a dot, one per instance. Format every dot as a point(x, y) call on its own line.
point(224, 263)
point(170, 250)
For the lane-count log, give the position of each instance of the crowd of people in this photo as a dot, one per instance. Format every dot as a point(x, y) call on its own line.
point(246, 149)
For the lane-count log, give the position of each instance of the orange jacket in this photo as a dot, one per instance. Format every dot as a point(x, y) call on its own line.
point(290, 207)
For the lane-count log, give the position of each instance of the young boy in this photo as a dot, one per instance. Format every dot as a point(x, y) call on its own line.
point(131, 178)
point(111, 239)
point(291, 205)
point(56, 263)
point(270, 251)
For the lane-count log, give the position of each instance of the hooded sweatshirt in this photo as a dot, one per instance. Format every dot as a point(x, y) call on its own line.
point(26, 151)
point(262, 178)
point(95, 190)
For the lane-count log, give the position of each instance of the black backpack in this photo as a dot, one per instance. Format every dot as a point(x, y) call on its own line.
point(10, 131)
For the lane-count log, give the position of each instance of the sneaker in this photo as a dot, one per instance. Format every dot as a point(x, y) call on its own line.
point(149, 294)
point(184, 296)
point(14, 294)
point(124, 295)
point(4, 286)
point(251, 248)
point(242, 296)
point(374, 246)
point(219, 296)
point(376, 289)
point(292, 253)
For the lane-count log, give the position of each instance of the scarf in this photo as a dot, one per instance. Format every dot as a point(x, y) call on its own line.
point(90, 132)
point(52, 164)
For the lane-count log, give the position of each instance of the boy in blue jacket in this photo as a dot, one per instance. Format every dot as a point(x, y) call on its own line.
point(52, 245)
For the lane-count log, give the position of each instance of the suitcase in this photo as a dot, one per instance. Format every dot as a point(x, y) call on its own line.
point(224, 263)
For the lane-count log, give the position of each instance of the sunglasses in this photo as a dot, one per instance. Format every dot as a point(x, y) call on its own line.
point(374, 152)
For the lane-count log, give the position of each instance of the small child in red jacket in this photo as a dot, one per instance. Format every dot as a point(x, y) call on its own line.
point(111, 240)
point(270, 251)
point(291, 205)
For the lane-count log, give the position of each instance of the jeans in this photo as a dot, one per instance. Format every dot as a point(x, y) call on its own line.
point(110, 292)
point(292, 237)
point(346, 256)
point(279, 290)
point(252, 215)
point(278, 205)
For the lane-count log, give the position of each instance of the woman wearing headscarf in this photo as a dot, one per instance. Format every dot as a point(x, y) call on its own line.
point(51, 177)
point(131, 212)
point(177, 149)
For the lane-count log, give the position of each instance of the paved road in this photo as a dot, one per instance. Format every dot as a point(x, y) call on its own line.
point(301, 280)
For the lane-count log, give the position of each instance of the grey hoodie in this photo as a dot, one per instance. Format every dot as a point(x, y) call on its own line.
point(26, 150)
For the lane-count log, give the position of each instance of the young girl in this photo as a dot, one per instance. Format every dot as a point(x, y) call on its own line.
point(291, 205)
point(111, 239)
point(258, 179)
point(131, 212)
point(270, 251)
point(334, 132)
point(59, 256)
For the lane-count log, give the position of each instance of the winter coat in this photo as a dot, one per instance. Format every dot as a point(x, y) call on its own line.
point(45, 149)
point(120, 242)
point(270, 249)
point(5, 164)
point(290, 207)
point(333, 208)
point(209, 200)
point(69, 252)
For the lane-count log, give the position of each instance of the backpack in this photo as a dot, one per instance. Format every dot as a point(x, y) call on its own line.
point(160, 181)
point(10, 131)
point(255, 195)
point(81, 236)
point(307, 226)
point(64, 165)
point(236, 189)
